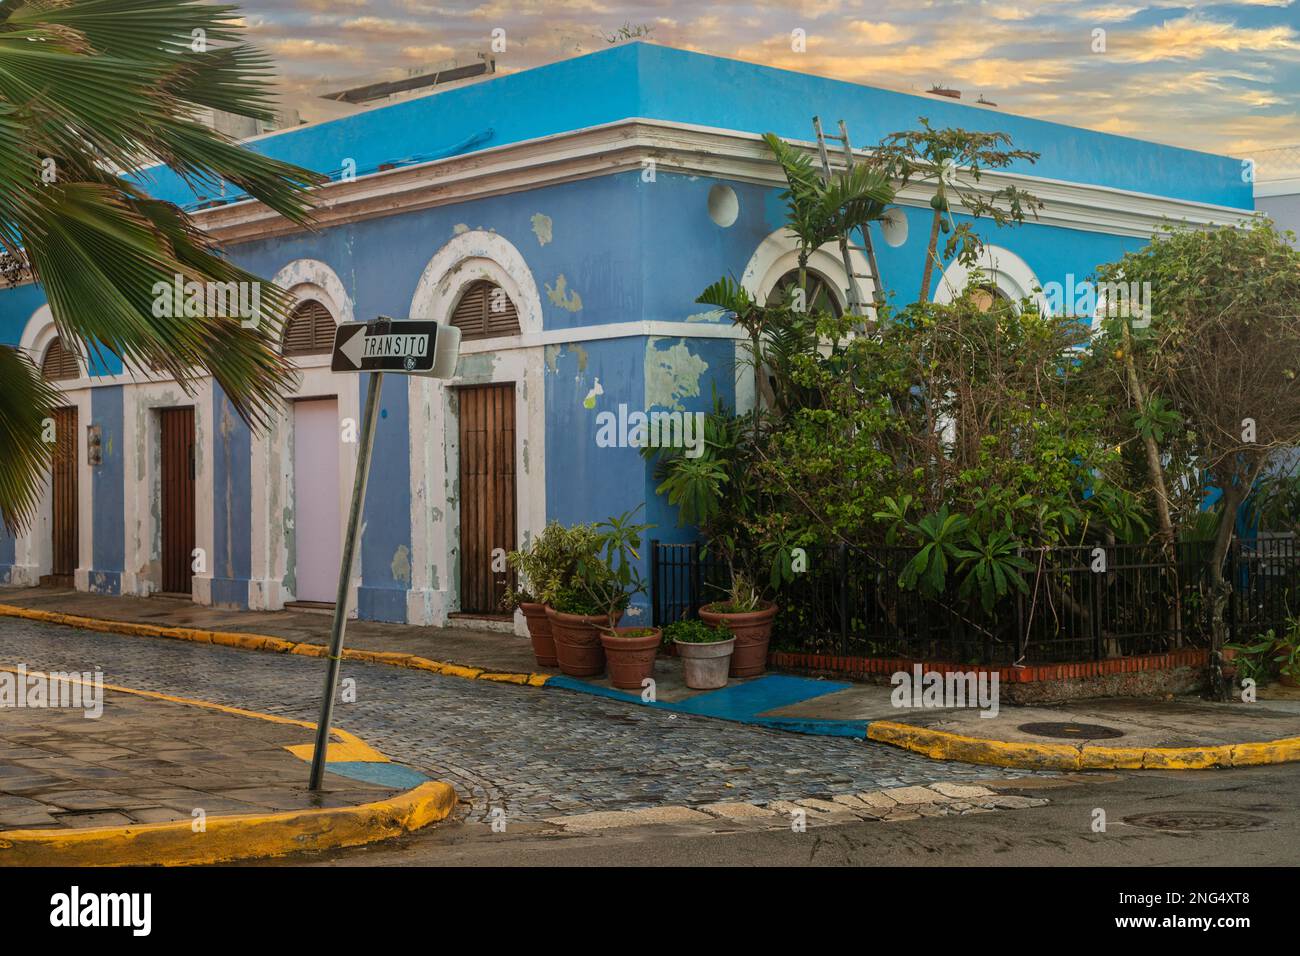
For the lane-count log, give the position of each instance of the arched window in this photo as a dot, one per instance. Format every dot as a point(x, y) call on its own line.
point(986, 294)
point(310, 330)
point(820, 295)
point(59, 365)
point(485, 311)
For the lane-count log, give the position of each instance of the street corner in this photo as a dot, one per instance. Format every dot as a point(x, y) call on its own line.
point(1102, 734)
point(92, 774)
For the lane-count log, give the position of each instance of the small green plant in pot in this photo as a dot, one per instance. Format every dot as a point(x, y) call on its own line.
point(749, 618)
point(705, 651)
point(542, 567)
point(596, 593)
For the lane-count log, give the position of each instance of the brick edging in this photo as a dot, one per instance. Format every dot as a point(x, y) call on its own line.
point(1028, 674)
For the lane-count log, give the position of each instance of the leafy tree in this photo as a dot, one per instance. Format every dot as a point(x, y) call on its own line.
point(953, 161)
point(1211, 381)
point(90, 89)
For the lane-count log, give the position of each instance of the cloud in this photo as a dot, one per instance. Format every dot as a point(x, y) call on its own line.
point(1193, 37)
point(1213, 74)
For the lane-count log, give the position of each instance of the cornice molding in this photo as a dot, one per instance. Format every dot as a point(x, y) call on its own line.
point(631, 144)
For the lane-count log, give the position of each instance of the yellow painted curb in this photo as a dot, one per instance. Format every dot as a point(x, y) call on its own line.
point(1031, 755)
point(262, 642)
point(242, 836)
point(228, 838)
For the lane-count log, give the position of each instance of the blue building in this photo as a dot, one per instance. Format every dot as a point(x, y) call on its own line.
point(565, 218)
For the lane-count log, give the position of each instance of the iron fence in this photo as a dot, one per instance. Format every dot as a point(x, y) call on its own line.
point(1081, 603)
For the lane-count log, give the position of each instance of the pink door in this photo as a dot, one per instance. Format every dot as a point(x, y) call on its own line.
point(316, 498)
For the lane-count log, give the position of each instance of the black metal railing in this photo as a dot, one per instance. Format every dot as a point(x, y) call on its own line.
point(1081, 603)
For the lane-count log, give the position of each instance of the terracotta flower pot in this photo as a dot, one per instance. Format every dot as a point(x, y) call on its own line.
point(630, 659)
point(577, 642)
point(753, 632)
point(705, 666)
point(539, 632)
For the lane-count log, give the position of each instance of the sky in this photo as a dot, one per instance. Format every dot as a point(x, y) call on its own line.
point(1223, 77)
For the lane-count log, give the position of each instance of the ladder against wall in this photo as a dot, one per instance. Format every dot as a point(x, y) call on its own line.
point(857, 303)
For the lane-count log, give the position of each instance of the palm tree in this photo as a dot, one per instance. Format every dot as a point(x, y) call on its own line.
point(90, 89)
point(824, 209)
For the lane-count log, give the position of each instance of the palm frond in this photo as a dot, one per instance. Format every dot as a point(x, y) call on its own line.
point(26, 401)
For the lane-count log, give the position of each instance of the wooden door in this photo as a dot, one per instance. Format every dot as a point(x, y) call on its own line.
point(317, 542)
point(487, 493)
point(63, 485)
point(177, 498)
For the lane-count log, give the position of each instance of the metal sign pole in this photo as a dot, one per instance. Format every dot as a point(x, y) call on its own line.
point(345, 578)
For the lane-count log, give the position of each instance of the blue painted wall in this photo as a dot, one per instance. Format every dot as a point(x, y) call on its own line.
point(108, 490)
point(231, 560)
point(382, 594)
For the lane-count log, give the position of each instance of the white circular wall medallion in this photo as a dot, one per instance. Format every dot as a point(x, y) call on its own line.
point(724, 205)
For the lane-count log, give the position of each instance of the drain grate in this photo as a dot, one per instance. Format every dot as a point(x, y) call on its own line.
point(1194, 821)
point(1067, 731)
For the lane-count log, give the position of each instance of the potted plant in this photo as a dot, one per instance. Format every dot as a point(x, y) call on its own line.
point(547, 562)
point(630, 654)
point(749, 619)
point(575, 621)
point(596, 594)
point(705, 652)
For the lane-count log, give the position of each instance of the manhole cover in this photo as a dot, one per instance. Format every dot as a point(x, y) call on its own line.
point(1192, 821)
point(1071, 731)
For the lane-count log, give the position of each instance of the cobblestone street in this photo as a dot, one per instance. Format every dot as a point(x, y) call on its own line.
point(533, 752)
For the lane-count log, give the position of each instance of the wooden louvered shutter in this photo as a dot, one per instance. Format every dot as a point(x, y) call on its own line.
point(310, 330)
point(59, 364)
point(475, 316)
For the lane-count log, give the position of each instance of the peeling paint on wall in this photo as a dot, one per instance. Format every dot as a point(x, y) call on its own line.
point(542, 228)
point(459, 228)
point(562, 295)
point(401, 565)
point(671, 374)
point(477, 368)
point(711, 316)
point(581, 354)
point(590, 400)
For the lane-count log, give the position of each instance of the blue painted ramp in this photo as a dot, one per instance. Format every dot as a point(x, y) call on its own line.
point(742, 703)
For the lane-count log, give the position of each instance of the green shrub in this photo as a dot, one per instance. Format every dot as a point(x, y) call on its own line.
point(695, 631)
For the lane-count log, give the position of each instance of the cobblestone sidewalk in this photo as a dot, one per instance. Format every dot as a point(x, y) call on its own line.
point(520, 750)
point(146, 760)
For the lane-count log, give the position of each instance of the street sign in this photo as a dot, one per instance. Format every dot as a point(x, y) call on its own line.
point(407, 348)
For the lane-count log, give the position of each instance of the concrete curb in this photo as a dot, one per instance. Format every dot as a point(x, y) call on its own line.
point(262, 642)
point(1030, 755)
point(228, 838)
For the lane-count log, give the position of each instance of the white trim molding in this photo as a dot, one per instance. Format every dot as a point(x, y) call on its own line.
point(34, 548)
point(142, 480)
point(625, 145)
point(434, 590)
point(1007, 271)
point(271, 578)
